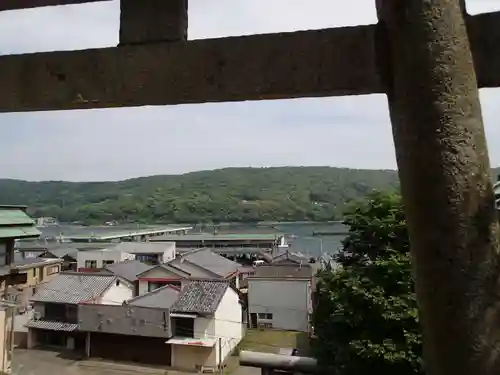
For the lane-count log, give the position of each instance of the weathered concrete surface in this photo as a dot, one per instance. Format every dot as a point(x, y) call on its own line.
point(445, 181)
point(152, 21)
point(41, 362)
point(484, 34)
point(25, 4)
point(275, 66)
point(316, 63)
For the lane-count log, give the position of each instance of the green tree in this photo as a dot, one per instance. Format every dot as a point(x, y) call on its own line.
point(366, 319)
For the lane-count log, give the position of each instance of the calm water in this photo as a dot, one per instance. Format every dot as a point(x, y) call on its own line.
point(299, 235)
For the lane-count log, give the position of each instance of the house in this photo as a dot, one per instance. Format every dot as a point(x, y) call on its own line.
point(198, 264)
point(95, 259)
point(32, 273)
point(15, 224)
point(126, 333)
point(149, 252)
point(206, 259)
point(68, 255)
point(281, 297)
point(205, 319)
point(55, 319)
point(128, 270)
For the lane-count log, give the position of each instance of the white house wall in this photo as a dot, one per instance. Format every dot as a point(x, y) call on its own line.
point(228, 322)
point(288, 300)
point(117, 294)
point(204, 328)
point(99, 256)
point(169, 253)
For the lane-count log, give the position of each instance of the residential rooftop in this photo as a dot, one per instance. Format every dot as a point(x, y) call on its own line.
point(73, 287)
point(163, 298)
point(201, 296)
point(128, 269)
point(208, 260)
point(284, 271)
point(23, 264)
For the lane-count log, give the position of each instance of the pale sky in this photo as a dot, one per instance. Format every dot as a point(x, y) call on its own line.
point(121, 143)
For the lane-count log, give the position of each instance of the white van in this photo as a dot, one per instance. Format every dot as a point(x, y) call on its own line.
point(259, 262)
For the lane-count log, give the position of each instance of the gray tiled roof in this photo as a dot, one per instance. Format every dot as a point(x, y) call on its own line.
point(51, 325)
point(212, 262)
point(129, 269)
point(287, 271)
point(164, 298)
point(74, 288)
point(192, 270)
point(201, 296)
point(167, 266)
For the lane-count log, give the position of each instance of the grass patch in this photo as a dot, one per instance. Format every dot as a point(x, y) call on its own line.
point(271, 340)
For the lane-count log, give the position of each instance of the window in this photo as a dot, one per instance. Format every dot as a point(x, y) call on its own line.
point(153, 286)
point(183, 327)
point(107, 262)
point(90, 264)
point(265, 316)
point(52, 270)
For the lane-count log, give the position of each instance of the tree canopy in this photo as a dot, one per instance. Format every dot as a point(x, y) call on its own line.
point(366, 320)
point(225, 195)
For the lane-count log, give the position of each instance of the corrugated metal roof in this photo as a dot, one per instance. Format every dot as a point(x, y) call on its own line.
point(13, 216)
point(220, 237)
point(73, 288)
point(18, 232)
point(52, 325)
point(164, 298)
point(201, 296)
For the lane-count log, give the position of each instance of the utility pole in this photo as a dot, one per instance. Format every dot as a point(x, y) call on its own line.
point(220, 355)
point(444, 170)
point(9, 259)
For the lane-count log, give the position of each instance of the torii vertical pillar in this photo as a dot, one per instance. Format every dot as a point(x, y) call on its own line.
point(445, 182)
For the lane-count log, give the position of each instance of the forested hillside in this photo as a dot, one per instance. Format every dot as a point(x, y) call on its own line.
point(231, 194)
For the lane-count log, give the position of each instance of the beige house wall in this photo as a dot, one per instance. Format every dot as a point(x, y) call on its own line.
point(186, 357)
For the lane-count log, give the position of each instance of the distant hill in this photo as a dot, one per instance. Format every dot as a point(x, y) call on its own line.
point(231, 194)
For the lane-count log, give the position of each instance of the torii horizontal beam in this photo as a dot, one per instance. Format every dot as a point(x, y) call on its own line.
point(25, 4)
point(317, 63)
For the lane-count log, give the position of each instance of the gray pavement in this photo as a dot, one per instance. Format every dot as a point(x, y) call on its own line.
point(41, 362)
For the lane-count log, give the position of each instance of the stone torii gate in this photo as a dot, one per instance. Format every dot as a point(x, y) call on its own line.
point(422, 54)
